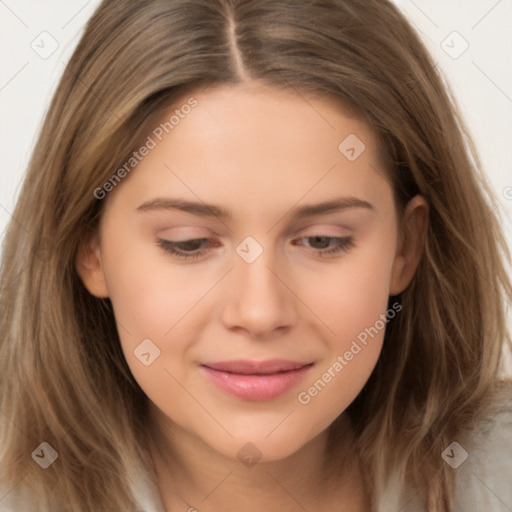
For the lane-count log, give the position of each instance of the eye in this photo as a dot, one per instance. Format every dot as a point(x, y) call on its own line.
point(326, 246)
point(186, 249)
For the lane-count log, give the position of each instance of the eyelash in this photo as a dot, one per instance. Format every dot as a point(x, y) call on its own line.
point(343, 245)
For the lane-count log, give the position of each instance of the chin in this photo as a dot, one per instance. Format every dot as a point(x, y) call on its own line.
point(260, 447)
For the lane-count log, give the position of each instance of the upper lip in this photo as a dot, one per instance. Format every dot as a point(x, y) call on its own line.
point(246, 367)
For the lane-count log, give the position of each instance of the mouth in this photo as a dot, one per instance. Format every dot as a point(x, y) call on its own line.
point(256, 380)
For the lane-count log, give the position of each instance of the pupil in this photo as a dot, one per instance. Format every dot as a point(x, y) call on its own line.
point(319, 239)
point(191, 245)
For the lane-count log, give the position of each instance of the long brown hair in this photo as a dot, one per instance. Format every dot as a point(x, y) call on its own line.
point(63, 377)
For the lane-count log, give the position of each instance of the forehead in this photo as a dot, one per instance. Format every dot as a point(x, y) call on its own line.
point(256, 145)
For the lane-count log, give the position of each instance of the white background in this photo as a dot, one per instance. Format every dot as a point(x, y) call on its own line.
point(480, 77)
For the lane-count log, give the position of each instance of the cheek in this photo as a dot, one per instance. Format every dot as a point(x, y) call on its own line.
point(152, 300)
point(352, 295)
point(149, 293)
point(353, 303)
point(355, 309)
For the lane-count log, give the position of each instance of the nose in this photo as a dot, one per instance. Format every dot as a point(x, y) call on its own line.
point(260, 302)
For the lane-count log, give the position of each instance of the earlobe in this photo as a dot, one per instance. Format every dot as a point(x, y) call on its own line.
point(88, 264)
point(410, 247)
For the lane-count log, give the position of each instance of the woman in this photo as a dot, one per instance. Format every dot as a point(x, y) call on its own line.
point(265, 269)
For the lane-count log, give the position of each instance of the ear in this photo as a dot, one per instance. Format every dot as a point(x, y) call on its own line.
point(89, 267)
point(410, 246)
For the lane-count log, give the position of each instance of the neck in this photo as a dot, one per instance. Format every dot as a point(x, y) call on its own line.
point(193, 476)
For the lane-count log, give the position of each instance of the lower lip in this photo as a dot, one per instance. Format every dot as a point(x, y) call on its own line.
point(256, 387)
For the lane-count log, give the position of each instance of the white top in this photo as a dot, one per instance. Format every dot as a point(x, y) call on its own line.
point(483, 469)
point(483, 472)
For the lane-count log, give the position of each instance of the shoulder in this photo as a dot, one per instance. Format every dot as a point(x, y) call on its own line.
point(483, 465)
point(481, 462)
point(11, 501)
point(145, 492)
point(143, 486)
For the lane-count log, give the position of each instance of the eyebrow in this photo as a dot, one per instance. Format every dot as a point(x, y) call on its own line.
point(201, 209)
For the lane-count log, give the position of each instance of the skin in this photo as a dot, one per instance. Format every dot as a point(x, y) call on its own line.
point(259, 153)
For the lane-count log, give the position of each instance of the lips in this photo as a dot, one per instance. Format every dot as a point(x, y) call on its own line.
point(256, 367)
point(256, 380)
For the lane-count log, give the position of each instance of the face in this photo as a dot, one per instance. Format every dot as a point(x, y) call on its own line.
point(258, 318)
